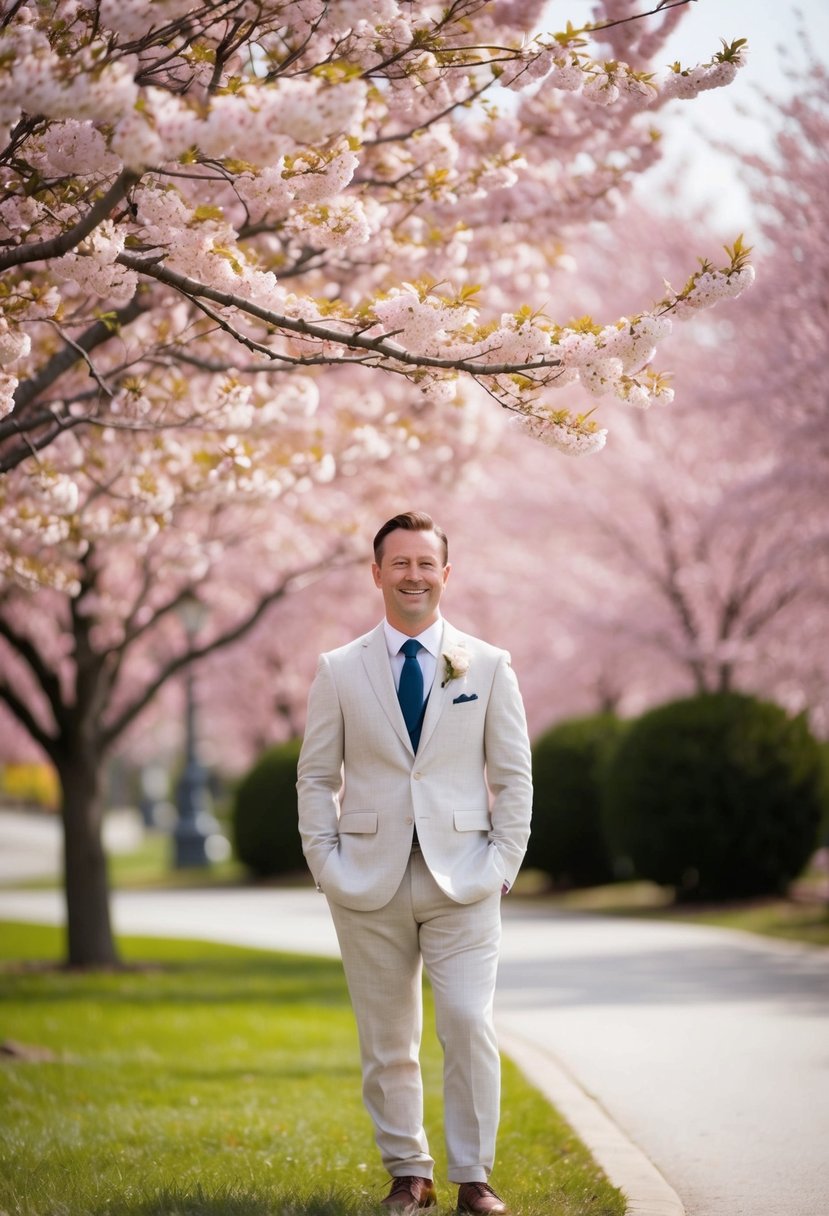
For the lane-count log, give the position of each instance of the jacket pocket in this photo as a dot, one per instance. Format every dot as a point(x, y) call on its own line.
point(358, 821)
point(472, 821)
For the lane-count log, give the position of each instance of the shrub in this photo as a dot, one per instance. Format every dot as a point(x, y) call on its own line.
point(823, 833)
point(265, 832)
point(718, 796)
point(568, 839)
point(34, 785)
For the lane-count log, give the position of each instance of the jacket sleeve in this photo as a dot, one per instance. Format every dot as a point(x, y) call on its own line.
point(320, 770)
point(508, 769)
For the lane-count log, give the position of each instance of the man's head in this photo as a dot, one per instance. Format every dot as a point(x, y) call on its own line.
point(411, 569)
point(410, 521)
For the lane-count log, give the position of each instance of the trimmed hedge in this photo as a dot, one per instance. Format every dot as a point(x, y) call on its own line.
point(823, 833)
point(265, 831)
point(718, 796)
point(568, 839)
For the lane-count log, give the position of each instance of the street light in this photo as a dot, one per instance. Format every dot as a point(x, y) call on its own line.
point(194, 821)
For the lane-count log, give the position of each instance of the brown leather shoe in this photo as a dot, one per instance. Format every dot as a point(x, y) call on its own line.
point(409, 1193)
point(480, 1199)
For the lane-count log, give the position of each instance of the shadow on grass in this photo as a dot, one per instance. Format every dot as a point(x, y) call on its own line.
point(298, 1071)
point(240, 1201)
point(286, 979)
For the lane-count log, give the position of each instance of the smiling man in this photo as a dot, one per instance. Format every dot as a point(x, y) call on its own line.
point(414, 810)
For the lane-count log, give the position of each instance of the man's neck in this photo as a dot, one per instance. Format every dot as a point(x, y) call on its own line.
point(414, 630)
point(435, 638)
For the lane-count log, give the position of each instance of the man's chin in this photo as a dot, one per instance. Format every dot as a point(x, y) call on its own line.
point(417, 612)
point(413, 606)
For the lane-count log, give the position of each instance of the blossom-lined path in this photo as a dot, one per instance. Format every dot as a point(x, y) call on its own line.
point(708, 1049)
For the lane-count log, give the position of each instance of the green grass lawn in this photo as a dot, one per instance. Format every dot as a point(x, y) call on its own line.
point(225, 1082)
point(151, 864)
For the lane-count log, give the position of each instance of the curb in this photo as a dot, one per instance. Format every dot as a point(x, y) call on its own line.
point(626, 1166)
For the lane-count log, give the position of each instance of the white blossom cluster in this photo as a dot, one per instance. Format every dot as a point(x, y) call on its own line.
point(150, 126)
point(568, 437)
point(340, 224)
point(95, 268)
point(420, 324)
point(42, 517)
point(14, 344)
point(692, 81)
point(235, 454)
point(334, 193)
point(515, 340)
point(24, 303)
point(34, 78)
point(712, 285)
point(605, 83)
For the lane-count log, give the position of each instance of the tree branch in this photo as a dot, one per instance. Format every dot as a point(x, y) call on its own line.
point(381, 347)
point(27, 720)
point(291, 582)
point(28, 390)
point(30, 447)
point(57, 246)
point(45, 677)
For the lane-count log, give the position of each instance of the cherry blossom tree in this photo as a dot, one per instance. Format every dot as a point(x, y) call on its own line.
point(695, 556)
point(83, 658)
point(295, 173)
point(255, 257)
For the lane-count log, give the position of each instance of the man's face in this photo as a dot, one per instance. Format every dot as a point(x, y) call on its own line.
point(411, 576)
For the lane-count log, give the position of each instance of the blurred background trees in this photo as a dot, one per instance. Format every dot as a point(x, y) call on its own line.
point(186, 414)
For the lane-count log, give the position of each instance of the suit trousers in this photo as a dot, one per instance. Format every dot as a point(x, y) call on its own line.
point(383, 953)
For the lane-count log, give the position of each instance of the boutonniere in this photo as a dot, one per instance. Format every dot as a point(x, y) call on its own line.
point(456, 662)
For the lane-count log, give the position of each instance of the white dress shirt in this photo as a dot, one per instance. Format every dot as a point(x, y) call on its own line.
point(430, 642)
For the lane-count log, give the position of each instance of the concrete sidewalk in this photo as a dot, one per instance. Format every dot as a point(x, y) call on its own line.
point(709, 1049)
point(31, 842)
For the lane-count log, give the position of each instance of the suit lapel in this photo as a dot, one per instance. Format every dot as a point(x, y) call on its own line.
point(438, 697)
point(375, 657)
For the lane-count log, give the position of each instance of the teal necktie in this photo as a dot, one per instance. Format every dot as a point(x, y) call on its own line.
point(410, 690)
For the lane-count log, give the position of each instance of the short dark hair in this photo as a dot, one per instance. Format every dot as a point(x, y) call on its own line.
point(410, 521)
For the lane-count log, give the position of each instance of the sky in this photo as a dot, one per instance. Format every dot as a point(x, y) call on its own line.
point(725, 113)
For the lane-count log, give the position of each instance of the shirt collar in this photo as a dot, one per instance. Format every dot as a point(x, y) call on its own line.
point(430, 639)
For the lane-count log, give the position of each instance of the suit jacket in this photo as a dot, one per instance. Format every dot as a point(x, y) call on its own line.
point(362, 789)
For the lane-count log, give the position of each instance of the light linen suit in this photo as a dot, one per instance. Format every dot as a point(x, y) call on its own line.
point(362, 790)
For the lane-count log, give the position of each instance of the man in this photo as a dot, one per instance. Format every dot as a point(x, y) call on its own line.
point(414, 810)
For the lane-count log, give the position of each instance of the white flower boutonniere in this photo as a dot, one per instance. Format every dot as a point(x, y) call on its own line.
point(456, 662)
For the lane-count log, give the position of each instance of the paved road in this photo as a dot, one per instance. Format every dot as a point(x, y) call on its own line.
point(709, 1049)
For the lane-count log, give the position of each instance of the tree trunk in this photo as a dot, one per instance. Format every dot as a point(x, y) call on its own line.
point(726, 671)
point(89, 932)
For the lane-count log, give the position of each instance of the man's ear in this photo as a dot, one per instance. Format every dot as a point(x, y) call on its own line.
point(375, 572)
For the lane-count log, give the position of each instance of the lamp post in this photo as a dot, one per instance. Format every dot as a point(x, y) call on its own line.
point(194, 821)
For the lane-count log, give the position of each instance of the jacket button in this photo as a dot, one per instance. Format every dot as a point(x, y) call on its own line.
point(409, 822)
point(417, 776)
